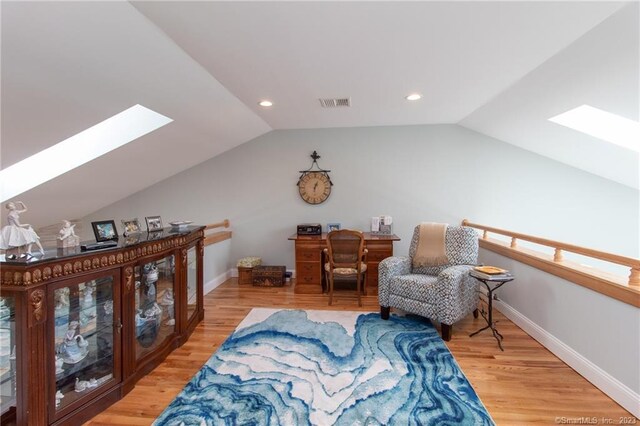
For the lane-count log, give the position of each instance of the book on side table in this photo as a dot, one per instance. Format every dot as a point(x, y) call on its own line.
point(490, 273)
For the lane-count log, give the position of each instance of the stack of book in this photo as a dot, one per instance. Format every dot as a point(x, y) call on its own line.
point(490, 273)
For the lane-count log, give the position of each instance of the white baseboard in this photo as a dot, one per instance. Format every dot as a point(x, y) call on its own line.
point(608, 384)
point(208, 286)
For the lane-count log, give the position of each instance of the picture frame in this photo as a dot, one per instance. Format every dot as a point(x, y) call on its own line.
point(132, 239)
point(333, 227)
point(155, 235)
point(131, 226)
point(154, 223)
point(105, 230)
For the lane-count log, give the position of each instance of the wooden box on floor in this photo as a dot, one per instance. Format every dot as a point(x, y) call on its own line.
point(269, 276)
point(245, 275)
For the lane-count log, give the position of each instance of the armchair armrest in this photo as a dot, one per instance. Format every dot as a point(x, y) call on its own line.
point(387, 269)
point(459, 289)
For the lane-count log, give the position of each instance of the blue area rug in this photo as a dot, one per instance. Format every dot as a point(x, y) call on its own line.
point(284, 367)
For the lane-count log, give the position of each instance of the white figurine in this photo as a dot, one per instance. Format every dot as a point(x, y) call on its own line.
point(74, 347)
point(167, 301)
point(59, 397)
point(81, 385)
point(67, 236)
point(61, 298)
point(59, 363)
point(87, 296)
point(15, 234)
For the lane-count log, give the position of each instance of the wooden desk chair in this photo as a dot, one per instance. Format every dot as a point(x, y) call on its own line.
point(346, 258)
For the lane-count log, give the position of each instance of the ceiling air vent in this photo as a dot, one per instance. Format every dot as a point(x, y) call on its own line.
point(337, 102)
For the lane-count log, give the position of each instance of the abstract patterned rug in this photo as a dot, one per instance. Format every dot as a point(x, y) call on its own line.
point(291, 367)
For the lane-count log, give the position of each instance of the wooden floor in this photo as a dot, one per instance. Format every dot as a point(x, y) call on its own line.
point(525, 384)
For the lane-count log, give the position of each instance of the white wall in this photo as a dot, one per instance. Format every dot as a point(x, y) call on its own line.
point(413, 173)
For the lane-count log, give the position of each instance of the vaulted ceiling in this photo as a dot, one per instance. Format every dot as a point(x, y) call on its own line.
point(501, 68)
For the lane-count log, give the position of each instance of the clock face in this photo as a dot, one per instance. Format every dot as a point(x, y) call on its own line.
point(314, 187)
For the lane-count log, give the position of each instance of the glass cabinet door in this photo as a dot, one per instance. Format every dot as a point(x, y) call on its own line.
point(192, 282)
point(84, 332)
point(7, 355)
point(154, 304)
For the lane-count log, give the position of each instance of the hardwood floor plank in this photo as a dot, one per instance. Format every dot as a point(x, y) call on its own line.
point(526, 384)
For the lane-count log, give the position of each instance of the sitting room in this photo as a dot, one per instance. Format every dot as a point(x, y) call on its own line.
point(381, 213)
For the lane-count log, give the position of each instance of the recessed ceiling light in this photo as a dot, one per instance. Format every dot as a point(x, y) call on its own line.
point(602, 125)
point(413, 97)
point(265, 103)
point(81, 148)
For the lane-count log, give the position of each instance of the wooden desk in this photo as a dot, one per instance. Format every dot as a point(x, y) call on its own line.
point(309, 270)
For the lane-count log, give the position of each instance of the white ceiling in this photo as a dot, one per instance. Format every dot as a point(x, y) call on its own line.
point(459, 55)
point(501, 68)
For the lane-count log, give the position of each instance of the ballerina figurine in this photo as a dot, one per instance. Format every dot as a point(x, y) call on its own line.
point(16, 234)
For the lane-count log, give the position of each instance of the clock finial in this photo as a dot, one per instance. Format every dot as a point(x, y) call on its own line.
point(315, 156)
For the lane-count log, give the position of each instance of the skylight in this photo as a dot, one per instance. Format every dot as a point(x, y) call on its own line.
point(87, 145)
point(602, 125)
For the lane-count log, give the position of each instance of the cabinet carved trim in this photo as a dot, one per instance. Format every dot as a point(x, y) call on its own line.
point(25, 274)
point(128, 276)
point(183, 256)
point(36, 300)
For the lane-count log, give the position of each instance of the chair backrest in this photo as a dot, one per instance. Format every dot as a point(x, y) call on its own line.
point(345, 248)
point(461, 246)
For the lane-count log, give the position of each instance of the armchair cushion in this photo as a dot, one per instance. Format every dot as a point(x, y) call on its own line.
point(346, 271)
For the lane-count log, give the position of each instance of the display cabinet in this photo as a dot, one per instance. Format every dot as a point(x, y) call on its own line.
point(78, 329)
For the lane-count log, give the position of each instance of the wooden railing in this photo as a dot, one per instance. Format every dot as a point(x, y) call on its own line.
point(218, 236)
point(615, 286)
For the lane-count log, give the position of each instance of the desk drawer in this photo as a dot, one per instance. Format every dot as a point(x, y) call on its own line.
point(304, 254)
point(308, 268)
point(308, 278)
point(378, 255)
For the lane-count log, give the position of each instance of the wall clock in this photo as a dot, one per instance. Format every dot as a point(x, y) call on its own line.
point(314, 186)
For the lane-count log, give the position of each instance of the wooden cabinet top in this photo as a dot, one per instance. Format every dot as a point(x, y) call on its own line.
point(368, 236)
point(62, 263)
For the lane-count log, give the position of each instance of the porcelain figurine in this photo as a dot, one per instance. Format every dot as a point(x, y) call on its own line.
point(67, 236)
point(151, 272)
point(61, 298)
point(74, 348)
point(13, 353)
point(81, 385)
point(108, 307)
point(151, 291)
point(59, 397)
point(167, 301)
point(59, 364)
point(153, 313)
point(15, 234)
point(87, 296)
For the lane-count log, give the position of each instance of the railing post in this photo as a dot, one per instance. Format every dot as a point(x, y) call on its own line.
point(557, 256)
point(634, 277)
point(513, 242)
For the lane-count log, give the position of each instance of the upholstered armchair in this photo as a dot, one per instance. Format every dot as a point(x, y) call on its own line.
point(443, 293)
